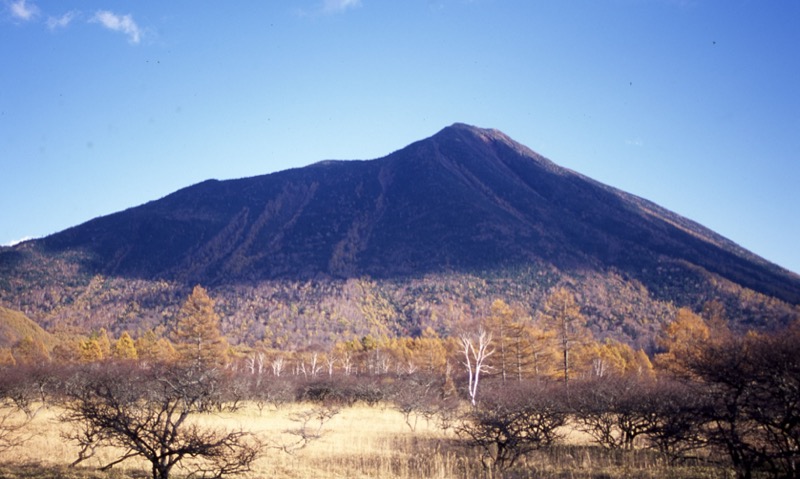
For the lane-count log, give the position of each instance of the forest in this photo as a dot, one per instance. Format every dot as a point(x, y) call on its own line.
point(507, 391)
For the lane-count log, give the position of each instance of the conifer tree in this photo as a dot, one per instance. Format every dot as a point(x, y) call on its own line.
point(125, 348)
point(500, 325)
point(562, 315)
point(197, 332)
point(90, 350)
point(682, 340)
point(151, 346)
point(514, 349)
point(103, 342)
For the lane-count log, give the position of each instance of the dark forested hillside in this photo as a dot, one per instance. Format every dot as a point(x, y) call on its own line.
point(393, 245)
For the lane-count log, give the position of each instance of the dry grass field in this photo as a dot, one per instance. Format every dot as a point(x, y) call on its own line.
point(358, 443)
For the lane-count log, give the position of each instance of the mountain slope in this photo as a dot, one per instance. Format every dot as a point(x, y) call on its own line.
point(465, 198)
point(465, 201)
point(15, 326)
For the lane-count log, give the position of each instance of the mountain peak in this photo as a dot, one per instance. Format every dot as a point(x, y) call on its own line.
point(485, 134)
point(484, 143)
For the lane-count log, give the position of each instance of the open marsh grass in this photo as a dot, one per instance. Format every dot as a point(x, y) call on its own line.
point(360, 442)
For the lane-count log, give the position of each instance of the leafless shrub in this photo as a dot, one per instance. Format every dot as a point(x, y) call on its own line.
point(752, 384)
point(515, 421)
point(147, 413)
point(274, 391)
point(614, 410)
point(677, 428)
point(420, 396)
point(310, 427)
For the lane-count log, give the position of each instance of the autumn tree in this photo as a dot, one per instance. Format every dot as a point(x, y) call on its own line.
point(430, 352)
point(540, 351)
point(124, 347)
point(562, 315)
point(152, 347)
point(613, 358)
point(716, 318)
point(197, 331)
point(681, 340)
point(103, 342)
point(505, 325)
point(7, 357)
point(90, 350)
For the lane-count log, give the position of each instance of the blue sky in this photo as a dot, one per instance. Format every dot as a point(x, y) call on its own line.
point(693, 104)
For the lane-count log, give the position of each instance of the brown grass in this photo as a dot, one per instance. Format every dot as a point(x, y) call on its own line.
point(359, 443)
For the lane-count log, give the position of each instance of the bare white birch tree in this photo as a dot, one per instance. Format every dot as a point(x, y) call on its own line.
point(476, 351)
point(278, 365)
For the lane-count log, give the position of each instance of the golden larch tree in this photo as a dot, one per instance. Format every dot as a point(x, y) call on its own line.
point(152, 347)
point(90, 350)
point(197, 333)
point(682, 339)
point(562, 315)
point(124, 347)
point(501, 324)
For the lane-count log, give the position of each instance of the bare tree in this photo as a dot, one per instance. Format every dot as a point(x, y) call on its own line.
point(417, 397)
point(12, 425)
point(21, 387)
point(278, 365)
point(476, 351)
point(519, 419)
point(310, 427)
point(753, 388)
point(614, 410)
point(149, 415)
point(678, 425)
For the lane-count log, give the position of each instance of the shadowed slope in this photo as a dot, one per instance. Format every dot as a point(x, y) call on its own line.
point(466, 198)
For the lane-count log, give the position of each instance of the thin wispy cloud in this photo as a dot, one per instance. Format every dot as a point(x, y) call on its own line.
point(336, 6)
point(119, 23)
point(22, 10)
point(54, 23)
point(16, 242)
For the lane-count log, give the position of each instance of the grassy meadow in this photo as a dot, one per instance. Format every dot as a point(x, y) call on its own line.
point(359, 442)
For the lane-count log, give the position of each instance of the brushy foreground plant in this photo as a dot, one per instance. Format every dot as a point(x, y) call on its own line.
point(517, 420)
point(148, 413)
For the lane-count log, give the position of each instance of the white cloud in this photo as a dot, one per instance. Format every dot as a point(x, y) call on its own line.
point(334, 6)
point(61, 22)
point(16, 242)
point(24, 11)
point(119, 23)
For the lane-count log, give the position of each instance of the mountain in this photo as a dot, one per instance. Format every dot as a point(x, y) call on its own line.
point(466, 203)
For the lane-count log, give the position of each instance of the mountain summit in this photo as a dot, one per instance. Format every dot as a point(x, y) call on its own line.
point(465, 201)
